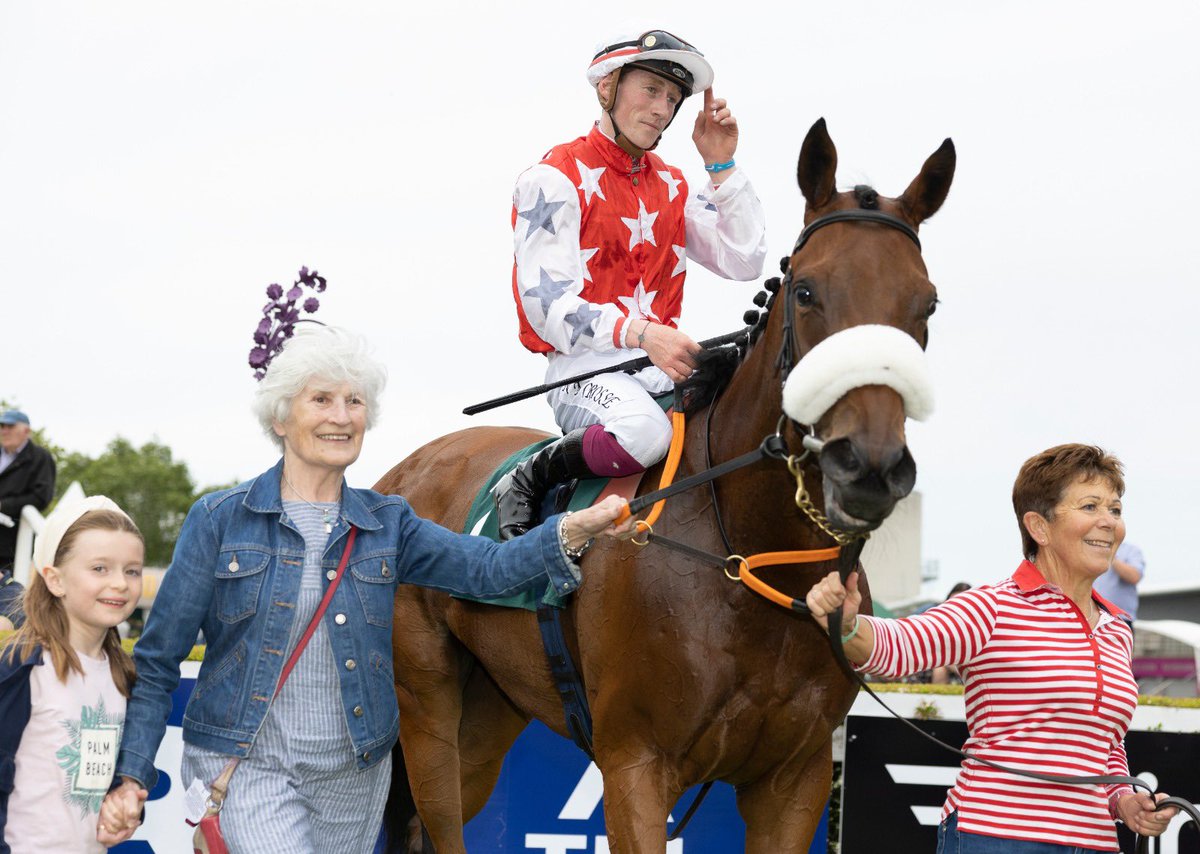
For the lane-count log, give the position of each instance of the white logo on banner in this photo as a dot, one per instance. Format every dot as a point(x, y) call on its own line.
point(924, 775)
point(580, 806)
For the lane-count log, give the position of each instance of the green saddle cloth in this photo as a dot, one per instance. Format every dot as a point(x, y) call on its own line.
point(482, 521)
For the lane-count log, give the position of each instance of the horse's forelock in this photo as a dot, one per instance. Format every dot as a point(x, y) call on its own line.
point(868, 198)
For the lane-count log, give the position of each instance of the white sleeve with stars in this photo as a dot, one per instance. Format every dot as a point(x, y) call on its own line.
point(549, 269)
point(726, 229)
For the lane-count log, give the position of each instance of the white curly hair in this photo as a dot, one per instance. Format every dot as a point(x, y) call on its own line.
point(315, 352)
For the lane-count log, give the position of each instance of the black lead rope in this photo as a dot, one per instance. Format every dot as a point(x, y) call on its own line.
point(691, 811)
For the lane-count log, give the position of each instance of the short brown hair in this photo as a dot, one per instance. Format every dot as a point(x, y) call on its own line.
point(1044, 478)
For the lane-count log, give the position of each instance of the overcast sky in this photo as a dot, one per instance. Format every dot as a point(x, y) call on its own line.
point(162, 163)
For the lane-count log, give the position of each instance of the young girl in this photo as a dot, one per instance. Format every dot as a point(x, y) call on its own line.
point(64, 680)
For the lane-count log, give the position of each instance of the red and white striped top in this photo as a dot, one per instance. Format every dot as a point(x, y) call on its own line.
point(1043, 692)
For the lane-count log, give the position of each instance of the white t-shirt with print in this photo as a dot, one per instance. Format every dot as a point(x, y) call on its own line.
point(66, 759)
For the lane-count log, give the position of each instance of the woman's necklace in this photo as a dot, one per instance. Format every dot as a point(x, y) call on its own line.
point(325, 517)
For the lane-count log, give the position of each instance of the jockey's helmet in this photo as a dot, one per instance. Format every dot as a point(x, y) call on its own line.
point(658, 52)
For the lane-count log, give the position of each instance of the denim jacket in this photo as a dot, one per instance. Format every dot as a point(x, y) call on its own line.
point(236, 575)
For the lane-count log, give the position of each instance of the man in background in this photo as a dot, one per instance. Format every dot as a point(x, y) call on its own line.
point(1119, 584)
point(27, 473)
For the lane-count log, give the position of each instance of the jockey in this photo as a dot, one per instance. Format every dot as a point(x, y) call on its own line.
point(602, 230)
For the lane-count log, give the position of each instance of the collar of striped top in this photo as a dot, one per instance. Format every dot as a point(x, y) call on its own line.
point(1030, 578)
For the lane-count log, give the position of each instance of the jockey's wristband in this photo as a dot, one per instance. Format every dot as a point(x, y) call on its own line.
point(718, 167)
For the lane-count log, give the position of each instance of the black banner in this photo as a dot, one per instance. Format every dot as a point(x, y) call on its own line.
point(895, 782)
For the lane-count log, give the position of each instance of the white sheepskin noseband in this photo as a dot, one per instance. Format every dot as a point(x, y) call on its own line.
point(858, 356)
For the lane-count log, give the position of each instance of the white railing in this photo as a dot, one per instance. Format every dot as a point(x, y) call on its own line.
point(31, 524)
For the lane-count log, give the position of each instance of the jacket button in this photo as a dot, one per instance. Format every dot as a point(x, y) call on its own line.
point(358, 711)
point(351, 664)
point(340, 619)
point(387, 573)
point(332, 574)
point(367, 756)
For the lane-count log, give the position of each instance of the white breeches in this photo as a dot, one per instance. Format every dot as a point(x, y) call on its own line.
point(625, 405)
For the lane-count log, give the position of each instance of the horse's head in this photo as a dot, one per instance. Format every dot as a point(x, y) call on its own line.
point(857, 300)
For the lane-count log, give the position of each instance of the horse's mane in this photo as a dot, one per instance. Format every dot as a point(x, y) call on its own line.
point(714, 370)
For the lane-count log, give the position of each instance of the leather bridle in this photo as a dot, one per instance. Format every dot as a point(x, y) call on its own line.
point(787, 355)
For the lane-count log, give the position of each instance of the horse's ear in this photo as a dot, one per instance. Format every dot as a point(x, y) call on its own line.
point(929, 189)
point(817, 167)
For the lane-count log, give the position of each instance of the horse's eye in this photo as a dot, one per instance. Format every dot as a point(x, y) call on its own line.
point(804, 295)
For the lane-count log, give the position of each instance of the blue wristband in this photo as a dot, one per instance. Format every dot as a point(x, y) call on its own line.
point(718, 167)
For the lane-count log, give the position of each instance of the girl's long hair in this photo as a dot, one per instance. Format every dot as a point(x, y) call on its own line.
point(46, 620)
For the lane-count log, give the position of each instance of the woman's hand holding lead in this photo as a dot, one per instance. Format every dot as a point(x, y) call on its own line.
point(828, 593)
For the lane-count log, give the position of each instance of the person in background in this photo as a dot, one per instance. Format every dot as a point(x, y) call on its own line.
point(27, 473)
point(1046, 666)
point(12, 608)
point(1119, 584)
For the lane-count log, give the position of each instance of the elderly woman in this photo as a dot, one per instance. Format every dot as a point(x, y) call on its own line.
point(250, 567)
point(1046, 667)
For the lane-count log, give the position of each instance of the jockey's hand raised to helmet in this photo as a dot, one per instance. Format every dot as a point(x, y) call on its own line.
point(715, 132)
point(672, 351)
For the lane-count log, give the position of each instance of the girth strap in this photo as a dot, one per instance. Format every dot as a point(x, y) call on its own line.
point(566, 676)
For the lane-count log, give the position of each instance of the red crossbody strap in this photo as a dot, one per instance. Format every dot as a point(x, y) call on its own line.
point(312, 626)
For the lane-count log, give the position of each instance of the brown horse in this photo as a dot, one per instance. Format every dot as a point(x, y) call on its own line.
point(690, 676)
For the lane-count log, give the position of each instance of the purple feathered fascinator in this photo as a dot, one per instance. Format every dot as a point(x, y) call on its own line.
point(280, 316)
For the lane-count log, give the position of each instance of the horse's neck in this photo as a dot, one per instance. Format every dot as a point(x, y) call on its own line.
point(757, 504)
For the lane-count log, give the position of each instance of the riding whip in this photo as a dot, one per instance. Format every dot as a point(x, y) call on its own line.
point(626, 367)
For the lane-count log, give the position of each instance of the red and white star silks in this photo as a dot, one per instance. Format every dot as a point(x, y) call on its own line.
point(597, 244)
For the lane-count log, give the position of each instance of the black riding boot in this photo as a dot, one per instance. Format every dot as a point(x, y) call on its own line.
point(519, 494)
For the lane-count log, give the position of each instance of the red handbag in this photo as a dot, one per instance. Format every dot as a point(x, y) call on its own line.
point(207, 838)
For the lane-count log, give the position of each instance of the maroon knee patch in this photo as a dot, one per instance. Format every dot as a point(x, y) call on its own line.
point(605, 456)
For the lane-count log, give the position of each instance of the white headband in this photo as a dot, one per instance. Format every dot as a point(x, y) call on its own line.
point(57, 523)
point(871, 354)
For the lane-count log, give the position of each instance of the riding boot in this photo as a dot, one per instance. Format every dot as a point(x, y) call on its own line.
point(519, 494)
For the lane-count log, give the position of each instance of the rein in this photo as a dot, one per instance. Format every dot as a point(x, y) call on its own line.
point(787, 356)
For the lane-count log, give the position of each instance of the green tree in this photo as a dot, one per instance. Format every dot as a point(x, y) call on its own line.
point(154, 489)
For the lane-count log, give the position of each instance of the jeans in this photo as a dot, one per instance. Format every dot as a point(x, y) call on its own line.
point(950, 841)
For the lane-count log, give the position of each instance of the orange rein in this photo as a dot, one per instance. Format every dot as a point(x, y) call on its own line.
point(747, 565)
point(674, 454)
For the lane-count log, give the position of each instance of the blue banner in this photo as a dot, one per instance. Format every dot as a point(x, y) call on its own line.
point(548, 800)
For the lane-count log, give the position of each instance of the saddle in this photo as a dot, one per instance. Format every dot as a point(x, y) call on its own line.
point(572, 495)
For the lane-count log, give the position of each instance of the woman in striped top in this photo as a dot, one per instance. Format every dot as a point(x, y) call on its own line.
point(1045, 664)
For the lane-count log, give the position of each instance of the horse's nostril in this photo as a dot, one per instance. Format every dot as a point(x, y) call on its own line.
point(840, 461)
point(901, 476)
